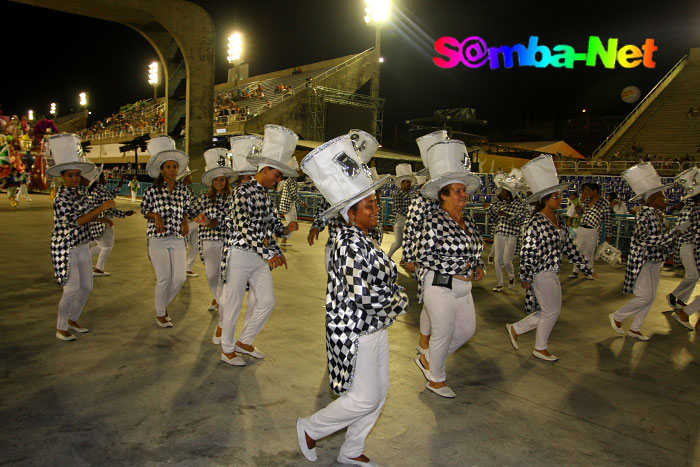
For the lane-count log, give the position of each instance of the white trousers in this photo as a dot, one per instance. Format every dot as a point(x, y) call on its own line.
point(245, 268)
point(211, 251)
point(103, 247)
point(452, 321)
point(587, 241)
point(693, 307)
point(687, 285)
point(193, 241)
point(424, 321)
point(644, 294)
point(547, 290)
point(168, 258)
point(360, 407)
point(133, 196)
point(399, 225)
point(23, 191)
point(77, 287)
point(505, 249)
point(291, 215)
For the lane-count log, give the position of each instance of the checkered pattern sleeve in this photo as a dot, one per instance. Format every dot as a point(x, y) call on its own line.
point(218, 210)
point(289, 195)
point(172, 207)
point(595, 215)
point(510, 225)
point(401, 201)
point(494, 208)
point(319, 222)
point(68, 206)
point(419, 208)
point(649, 230)
point(690, 213)
point(256, 221)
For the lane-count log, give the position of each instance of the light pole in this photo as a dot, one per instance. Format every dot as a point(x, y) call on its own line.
point(154, 78)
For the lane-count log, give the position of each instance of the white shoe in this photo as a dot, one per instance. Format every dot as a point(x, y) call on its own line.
point(498, 288)
point(216, 339)
point(60, 336)
point(639, 336)
point(546, 358)
point(213, 308)
point(513, 342)
point(255, 353)
point(310, 454)
point(617, 329)
point(511, 283)
point(191, 274)
point(421, 350)
point(685, 324)
point(573, 275)
point(346, 460)
point(99, 274)
point(426, 372)
point(167, 324)
point(444, 391)
point(76, 329)
point(235, 361)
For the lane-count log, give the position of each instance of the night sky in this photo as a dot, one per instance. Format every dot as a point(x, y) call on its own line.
point(52, 56)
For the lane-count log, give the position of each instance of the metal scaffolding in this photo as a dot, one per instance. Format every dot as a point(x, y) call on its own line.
point(320, 96)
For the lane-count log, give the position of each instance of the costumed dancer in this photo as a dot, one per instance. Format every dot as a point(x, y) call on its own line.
point(102, 234)
point(251, 251)
point(420, 208)
point(134, 188)
point(23, 184)
point(596, 211)
point(289, 197)
point(509, 212)
point(651, 245)
point(449, 248)
point(166, 205)
point(215, 204)
point(545, 238)
point(362, 301)
point(69, 241)
point(401, 199)
point(690, 181)
point(192, 237)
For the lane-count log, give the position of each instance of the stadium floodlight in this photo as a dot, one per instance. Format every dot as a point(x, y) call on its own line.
point(83, 98)
point(235, 47)
point(30, 115)
point(381, 59)
point(53, 109)
point(153, 75)
point(377, 11)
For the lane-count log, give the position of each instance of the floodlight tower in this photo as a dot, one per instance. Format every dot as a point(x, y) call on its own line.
point(376, 14)
point(234, 57)
point(53, 110)
point(154, 78)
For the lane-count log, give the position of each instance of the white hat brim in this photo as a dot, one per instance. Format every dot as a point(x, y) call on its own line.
point(285, 169)
point(334, 210)
point(535, 197)
point(398, 180)
point(154, 163)
point(432, 187)
point(696, 191)
point(209, 176)
point(636, 198)
point(56, 170)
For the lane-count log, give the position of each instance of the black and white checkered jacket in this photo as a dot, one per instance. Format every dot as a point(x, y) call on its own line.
point(289, 195)
point(509, 226)
point(401, 200)
point(690, 213)
point(97, 194)
point(172, 207)
point(253, 224)
point(419, 209)
point(541, 250)
point(595, 215)
point(362, 297)
point(335, 223)
point(445, 247)
point(68, 206)
point(651, 243)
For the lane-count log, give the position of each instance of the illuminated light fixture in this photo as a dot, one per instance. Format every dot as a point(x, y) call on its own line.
point(83, 98)
point(30, 115)
point(377, 11)
point(381, 59)
point(153, 75)
point(53, 109)
point(584, 111)
point(235, 47)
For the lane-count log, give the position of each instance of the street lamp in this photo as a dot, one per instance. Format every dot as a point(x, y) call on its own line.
point(154, 78)
point(53, 109)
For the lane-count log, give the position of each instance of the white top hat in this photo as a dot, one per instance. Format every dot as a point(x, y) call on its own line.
point(184, 171)
point(448, 163)
point(421, 179)
point(67, 154)
point(689, 180)
point(518, 179)
point(218, 164)
point(541, 175)
point(294, 164)
point(375, 175)
point(277, 148)
point(404, 172)
point(93, 175)
point(241, 148)
point(511, 182)
point(365, 144)
point(424, 143)
point(643, 180)
point(162, 148)
point(340, 175)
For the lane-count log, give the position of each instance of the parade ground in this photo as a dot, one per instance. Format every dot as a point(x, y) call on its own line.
point(131, 393)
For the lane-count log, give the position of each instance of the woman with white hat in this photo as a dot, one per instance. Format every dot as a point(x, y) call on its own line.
point(215, 206)
point(689, 180)
point(362, 301)
point(401, 199)
point(69, 241)
point(546, 237)
point(651, 245)
point(508, 212)
point(166, 205)
point(449, 253)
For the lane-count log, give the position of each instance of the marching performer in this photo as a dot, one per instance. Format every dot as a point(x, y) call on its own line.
point(651, 245)
point(546, 237)
point(166, 205)
point(289, 197)
point(510, 212)
point(401, 199)
point(690, 181)
point(362, 301)
point(596, 211)
point(251, 251)
point(69, 241)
